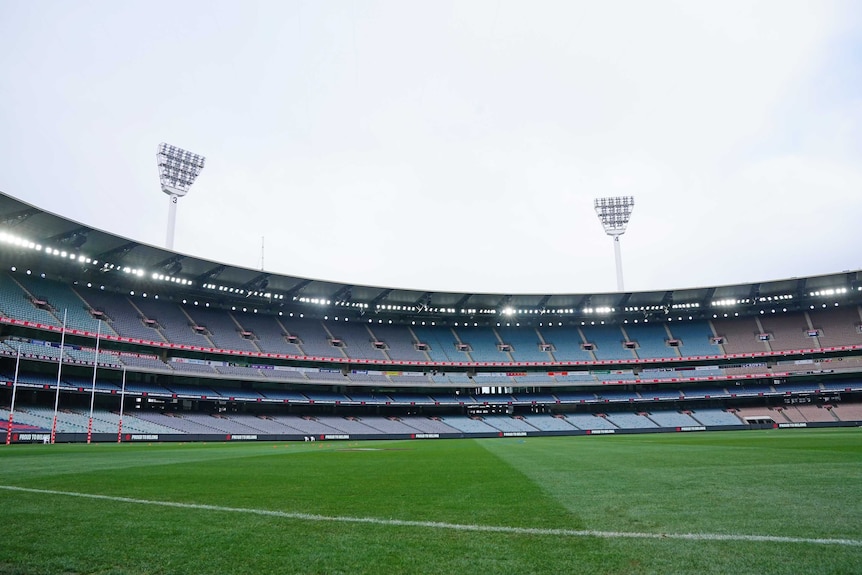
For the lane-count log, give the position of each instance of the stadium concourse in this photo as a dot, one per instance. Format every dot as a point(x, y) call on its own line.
point(158, 345)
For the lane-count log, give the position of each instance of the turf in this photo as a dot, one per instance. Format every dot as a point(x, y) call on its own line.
point(791, 484)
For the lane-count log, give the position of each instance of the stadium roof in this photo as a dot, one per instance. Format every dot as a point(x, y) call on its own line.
point(67, 249)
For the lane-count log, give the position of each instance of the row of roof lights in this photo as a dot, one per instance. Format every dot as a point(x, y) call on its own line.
point(12, 239)
point(549, 324)
point(509, 311)
point(600, 309)
point(173, 279)
point(782, 297)
point(543, 311)
point(106, 267)
point(831, 291)
point(761, 299)
point(356, 304)
point(241, 291)
point(314, 300)
point(730, 302)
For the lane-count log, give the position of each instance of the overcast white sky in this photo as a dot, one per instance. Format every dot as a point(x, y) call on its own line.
point(450, 145)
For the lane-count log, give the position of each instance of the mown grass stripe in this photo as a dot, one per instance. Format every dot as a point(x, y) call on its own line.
point(452, 526)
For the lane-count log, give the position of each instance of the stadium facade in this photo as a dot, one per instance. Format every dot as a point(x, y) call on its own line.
point(189, 348)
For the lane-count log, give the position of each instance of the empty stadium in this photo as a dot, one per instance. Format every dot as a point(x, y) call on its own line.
point(190, 349)
point(241, 421)
point(429, 371)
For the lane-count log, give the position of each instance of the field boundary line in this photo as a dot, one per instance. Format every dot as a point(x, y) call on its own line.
point(451, 526)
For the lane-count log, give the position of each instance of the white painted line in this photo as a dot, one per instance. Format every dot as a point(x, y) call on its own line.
point(452, 526)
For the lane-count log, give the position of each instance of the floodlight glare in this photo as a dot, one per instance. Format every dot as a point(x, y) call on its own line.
point(178, 170)
point(614, 213)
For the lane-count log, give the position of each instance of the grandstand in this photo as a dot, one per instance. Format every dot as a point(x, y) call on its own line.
point(196, 349)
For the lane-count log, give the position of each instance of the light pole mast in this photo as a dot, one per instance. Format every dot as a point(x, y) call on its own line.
point(177, 172)
point(614, 213)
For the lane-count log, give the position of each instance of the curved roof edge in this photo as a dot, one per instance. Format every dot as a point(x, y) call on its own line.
point(35, 234)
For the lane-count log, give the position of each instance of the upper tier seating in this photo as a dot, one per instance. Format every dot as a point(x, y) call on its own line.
point(786, 332)
point(125, 319)
point(483, 343)
point(400, 342)
point(222, 329)
point(174, 323)
point(695, 338)
point(566, 342)
point(651, 340)
point(740, 335)
point(608, 341)
point(64, 300)
point(357, 340)
point(441, 344)
point(524, 344)
point(16, 303)
point(150, 319)
point(836, 326)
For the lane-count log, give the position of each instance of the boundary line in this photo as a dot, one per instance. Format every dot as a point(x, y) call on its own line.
point(451, 526)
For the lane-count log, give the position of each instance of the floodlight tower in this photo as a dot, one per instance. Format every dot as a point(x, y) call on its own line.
point(177, 172)
point(614, 214)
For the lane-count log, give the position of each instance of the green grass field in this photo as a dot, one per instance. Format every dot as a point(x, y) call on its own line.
point(610, 504)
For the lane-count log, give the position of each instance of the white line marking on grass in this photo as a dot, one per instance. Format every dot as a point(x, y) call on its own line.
point(453, 526)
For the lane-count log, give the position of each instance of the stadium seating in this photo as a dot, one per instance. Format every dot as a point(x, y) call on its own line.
point(566, 342)
point(483, 342)
point(834, 328)
point(369, 392)
point(400, 342)
point(121, 314)
point(469, 424)
point(694, 337)
point(17, 303)
point(631, 420)
point(608, 341)
point(848, 411)
point(672, 419)
point(174, 323)
point(651, 340)
point(786, 332)
point(222, 329)
point(589, 421)
point(360, 340)
point(714, 417)
point(524, 344)
point(549, 423)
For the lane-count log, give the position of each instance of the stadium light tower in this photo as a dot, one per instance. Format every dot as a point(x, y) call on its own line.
point(614, 214)
point(177, 172)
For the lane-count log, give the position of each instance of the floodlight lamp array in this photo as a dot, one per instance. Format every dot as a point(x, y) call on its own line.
point(178, 169)
point(614, 213)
